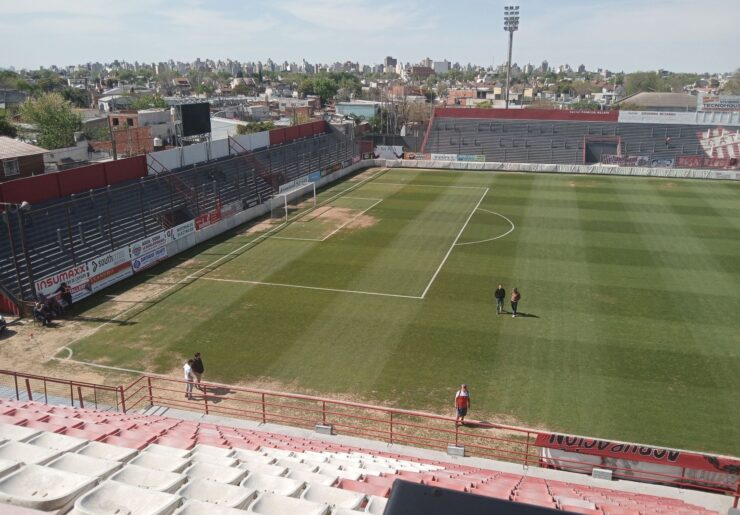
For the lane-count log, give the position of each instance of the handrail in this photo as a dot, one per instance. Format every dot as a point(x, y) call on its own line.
point(393, 425)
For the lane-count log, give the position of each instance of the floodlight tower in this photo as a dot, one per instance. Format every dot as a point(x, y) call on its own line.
point(511, 25)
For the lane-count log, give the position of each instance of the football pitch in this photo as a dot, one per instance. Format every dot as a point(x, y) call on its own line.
point(384, 293)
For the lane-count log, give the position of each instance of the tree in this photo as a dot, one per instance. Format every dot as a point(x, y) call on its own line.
point(148, 102)
point(253, 127)
point(242, 89)
point(645, 81)
point(55, 121)
point(6, 127)
point(77, 97)
point(732, 86)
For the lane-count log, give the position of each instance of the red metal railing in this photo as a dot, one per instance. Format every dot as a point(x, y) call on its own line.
point(395, 426)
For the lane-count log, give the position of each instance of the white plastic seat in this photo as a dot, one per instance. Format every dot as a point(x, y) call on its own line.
point(213, 450)
point(193, 507)
point(17, 433)
point(313, 456)
point(228, 475)
point(246, 454)
point(222, 461)
point(166, 450)
point(334, 471)
point(378, 467)
point(150, 479)
point(346, 463)
point(57, 442)
point(312, 478)
point(333, 496)
point(113, 498)
point(106, 451)
point(262, 468)
point(8, 466)
point(375, 504)
point(85, 465)
point(271, 504)
point(277, 453)
point(295, 464)
point(43, 488)
point(27, 453)
point(160, 462)
point(217, 493)
point(273, 484)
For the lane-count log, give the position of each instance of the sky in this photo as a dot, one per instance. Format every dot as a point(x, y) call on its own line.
point(620, 35)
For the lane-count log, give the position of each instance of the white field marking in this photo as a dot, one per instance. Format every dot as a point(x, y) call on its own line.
point(96, 365)
point(431, 185)
point(377, 201)
point(449, 251)
point(193, 276)
point(496, 237)
point(262, 283)
point(362, 198)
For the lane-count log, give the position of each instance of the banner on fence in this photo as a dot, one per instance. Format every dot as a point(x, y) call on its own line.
point(388, 152)
point(662, 162)
point(613, 159)
point(231, 209)
point(314, 176)
point(471, 158)
point(109, 268)
point(76, 278)
point(209, 218)
point(148, 260)
point(635, 452)
point(443, 157)
point(705, 162)
point(356, 159)
point(183, 230)
point(718, 103)
point(415, 156)
point(303, 179)
point(666, 117)
point(147, 245)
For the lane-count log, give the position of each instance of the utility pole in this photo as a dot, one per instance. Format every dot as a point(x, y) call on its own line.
point(511, 25)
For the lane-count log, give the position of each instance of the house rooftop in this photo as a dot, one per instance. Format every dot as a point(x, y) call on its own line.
point(11, 148)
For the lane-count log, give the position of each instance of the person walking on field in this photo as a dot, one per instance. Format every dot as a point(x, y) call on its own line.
point(500, 295)
point(198, 369)
point(462, 404)
point(515, 298)
point(187, 369)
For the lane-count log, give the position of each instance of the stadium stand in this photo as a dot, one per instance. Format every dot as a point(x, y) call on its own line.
point(60, 234)
point(54, 458)
point(562, 141)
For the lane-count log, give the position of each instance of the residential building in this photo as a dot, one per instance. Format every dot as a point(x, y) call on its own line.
point(19, 159)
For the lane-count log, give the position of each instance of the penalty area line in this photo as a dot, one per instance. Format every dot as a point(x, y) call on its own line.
point(302, 287)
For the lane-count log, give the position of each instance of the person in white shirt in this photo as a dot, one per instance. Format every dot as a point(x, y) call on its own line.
point(462, 403)
point(187, 369)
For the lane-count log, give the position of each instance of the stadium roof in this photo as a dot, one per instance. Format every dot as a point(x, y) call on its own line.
point(11, 148)
point(663, 101)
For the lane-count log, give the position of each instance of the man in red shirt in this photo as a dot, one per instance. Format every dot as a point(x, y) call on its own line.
point(462, 403)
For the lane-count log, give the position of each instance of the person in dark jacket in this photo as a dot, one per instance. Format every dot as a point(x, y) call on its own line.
point(65, 292)
point(500, 295)
point(198, 369)
point(515, 298)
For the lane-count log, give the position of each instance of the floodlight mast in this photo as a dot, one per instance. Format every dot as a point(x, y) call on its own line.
point(511, 25)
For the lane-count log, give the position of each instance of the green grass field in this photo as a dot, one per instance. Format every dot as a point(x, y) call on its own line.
point(630, 286)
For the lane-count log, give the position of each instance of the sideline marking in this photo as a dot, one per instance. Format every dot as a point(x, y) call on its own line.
point(360, 292)
point(193, 276)
point(495, 238)
point(449, 251)
point(432, 185)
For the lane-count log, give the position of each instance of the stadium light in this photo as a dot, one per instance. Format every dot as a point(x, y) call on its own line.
point(511, 25)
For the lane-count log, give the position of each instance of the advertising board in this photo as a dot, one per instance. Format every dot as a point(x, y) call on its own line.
point(109, 268)
point(76, 278)
point(148, 260)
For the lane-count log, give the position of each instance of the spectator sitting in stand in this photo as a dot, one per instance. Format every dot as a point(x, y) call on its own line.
point(53, 307)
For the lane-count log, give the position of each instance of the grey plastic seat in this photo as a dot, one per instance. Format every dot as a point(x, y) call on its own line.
point(228, 475)
point(113, 498)
point(217, 493)
point(150, 479)
point(262, 468)
point(43, 488)
point(26, 453)
point(335, 497)
point(85, 465)
point(57, 442)
point(8, 466)
point(160, 462)
point(296, 464)
point(213, 450)
point(193, 507)
point(272, 484)
point(106, 451)
point(17, 433)
point(334, 471)
point(272, 504)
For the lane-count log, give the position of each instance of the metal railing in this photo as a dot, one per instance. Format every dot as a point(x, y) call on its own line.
point(394, 426)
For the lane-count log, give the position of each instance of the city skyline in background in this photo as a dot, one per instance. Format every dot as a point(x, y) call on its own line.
point(620, 35)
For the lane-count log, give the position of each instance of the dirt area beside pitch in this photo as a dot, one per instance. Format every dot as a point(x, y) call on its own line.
point(349, 218)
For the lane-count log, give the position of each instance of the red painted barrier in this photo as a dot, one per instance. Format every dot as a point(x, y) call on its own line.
point(42, 188)
point(305, 130)
point(277, 136)
point(528, 114)
point(7, 305)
